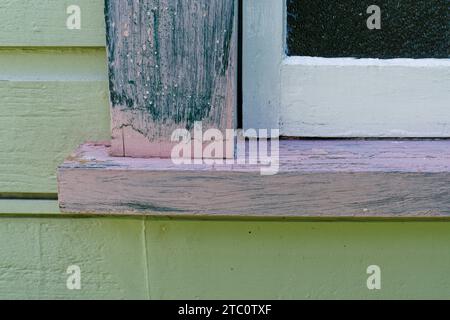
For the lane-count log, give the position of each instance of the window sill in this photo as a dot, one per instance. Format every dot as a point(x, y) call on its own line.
point(317, 179)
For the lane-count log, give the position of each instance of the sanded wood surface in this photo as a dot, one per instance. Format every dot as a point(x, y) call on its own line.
point(316, 179)
point(171, 63)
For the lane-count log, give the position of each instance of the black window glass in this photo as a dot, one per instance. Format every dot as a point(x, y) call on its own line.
point(356, 28)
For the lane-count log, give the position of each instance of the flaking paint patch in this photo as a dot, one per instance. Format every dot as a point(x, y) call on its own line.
point(171, 63)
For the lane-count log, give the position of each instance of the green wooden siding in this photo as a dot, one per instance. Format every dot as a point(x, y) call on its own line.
point(53, 89)
point(53, 96)
point(42, 23)
point(160, 259)
point(52, 100)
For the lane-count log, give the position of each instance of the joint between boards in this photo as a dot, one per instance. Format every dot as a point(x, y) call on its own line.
point(123, 143)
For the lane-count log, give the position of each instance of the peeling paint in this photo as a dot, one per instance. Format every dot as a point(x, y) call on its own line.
point(171, 64)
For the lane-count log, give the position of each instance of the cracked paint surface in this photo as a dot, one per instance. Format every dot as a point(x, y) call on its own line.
point(171, 63)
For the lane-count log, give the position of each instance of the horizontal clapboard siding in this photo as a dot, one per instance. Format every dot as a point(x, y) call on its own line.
point(53, 89)
point(128, 258)
point(33, 269)
point(43, 23)
point(51, 100)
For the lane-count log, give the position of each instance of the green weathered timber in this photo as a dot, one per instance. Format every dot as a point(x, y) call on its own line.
point(171, 63)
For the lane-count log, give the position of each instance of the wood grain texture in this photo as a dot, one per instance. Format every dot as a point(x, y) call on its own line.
point(42, 23)
point(316, 179)
point(52, 100)
point(171, 63)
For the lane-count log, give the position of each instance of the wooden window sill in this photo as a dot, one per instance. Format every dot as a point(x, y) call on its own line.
point(330, 179)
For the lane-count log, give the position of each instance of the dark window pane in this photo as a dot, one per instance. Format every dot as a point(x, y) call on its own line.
point(338, 28)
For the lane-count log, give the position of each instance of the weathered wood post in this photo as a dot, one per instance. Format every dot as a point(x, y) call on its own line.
point(171, 63)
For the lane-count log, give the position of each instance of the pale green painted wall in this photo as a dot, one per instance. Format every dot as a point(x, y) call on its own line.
point(52, 100)
point(155, 258)
point(53, 96)
point(39, 23)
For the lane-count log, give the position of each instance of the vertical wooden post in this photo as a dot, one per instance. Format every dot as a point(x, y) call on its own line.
point(171, 63)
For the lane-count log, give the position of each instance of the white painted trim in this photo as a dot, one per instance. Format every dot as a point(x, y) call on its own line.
point(365, 101)
point(317, 61)
point(263, 54)
point(337, 97)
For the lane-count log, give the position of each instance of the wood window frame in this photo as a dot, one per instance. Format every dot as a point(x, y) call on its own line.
point(336, 97)
point(317, 179)
point(330, 179)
